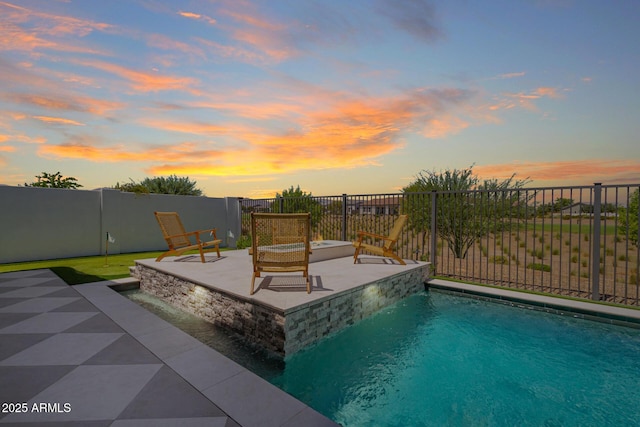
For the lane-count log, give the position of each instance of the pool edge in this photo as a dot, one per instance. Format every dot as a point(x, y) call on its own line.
point(616, 315)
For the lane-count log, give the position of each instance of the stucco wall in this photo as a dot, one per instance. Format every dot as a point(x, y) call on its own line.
point(49, 223)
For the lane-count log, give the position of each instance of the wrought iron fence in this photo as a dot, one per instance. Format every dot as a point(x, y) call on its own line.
point(577, 241)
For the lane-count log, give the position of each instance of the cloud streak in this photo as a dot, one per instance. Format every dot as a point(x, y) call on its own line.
point(590, 170)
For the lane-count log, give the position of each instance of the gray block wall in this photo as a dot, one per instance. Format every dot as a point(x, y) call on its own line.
point(50, 223)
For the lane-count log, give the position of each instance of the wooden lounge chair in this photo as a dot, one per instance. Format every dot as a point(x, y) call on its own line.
point(387, 248)
point(180, 241)
point(280, 243)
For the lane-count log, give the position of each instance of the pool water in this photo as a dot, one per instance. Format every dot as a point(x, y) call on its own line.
point(438, 359)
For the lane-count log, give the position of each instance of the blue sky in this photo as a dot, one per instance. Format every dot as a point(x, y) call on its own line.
point(251, 97)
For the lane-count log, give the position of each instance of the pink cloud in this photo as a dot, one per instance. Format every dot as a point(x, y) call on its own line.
point(587, 171)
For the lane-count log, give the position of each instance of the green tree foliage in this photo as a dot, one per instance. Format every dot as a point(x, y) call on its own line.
point(466, 207)
point(162, 185)
point(298, 201)
point(54, 180)
point(629, 218)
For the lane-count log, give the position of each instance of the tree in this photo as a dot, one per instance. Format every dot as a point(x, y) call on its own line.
point(54, 180)
point(629, 218)
point(467, 207)
point(162, 185)
point(562, 203)
point(298, 201)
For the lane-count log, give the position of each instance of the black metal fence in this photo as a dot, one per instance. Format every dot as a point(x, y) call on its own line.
point(579, 241)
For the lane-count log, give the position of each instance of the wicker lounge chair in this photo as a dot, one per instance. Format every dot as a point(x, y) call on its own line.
point(387, 248)
point(280, 243)
point(180, 241)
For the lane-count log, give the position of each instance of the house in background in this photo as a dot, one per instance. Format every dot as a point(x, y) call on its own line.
point(380, 206)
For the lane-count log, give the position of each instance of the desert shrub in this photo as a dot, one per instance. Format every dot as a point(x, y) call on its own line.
point(540, 267)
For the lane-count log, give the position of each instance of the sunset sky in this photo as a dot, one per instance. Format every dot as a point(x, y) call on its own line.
point(338, 96)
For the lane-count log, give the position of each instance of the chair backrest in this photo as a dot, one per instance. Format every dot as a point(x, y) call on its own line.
point(280, 239)
point(172, 229)
point(395, 231)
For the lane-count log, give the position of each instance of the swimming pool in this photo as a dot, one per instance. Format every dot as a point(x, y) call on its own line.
point(438, 359)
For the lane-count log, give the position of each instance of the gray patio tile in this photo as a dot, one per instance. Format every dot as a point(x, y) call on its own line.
point(24, 282)
point(5, 302)
point(91, 291)
point(137, 321)
point(37, 305)
point(67, 291)
point(61, 349)
point(168, 342)
point(21, 383)
point(101, 423)
point(123, 351)
point(80, 305)
point(8, 319)
point(15, 343)
point(252, 401)
point(47, 322)
point(94, 392)
point(309, 418)
point(169, 395)
point(97, 323)
point(31, 292)
point(6, 289)
point(173, 422)
point(203, 367)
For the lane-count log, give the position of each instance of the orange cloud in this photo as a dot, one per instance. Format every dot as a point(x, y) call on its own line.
point(83, 149)
point(58, 120)
point(444, 126)
point(65, 103)
point(142, 81)
point(587, 171)
point(160, 41)
point(45, 27)
point(197, 17)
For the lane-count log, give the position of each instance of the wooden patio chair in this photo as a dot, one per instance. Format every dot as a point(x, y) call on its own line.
point(180, 241)
point(387, 247)
point(280, 243)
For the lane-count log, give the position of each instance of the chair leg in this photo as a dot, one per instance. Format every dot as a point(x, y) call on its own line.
point(253, 281)
point(355, 255)
point(202, 255)
point(306, 275)
point(397, 258)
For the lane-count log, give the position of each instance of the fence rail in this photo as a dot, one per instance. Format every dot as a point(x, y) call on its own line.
point(577, 241)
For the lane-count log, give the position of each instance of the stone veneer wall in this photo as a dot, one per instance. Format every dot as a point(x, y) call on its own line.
point(311, 324)
point(282, 333)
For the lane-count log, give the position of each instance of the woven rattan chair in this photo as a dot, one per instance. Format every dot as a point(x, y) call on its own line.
point(388, 242)
point(180, 241)
point(280, 243)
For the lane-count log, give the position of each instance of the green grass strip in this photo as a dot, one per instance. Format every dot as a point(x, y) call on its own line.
point(75, 271)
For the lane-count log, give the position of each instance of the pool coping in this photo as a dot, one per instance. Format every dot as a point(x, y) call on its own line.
point(616, 315)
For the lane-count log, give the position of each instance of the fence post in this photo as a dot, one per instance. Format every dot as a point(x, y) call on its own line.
point(344, 217)
point(280, 204)
point(595, 244)
point(432, 255)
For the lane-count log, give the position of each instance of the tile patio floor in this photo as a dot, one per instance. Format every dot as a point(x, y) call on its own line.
point(94, 358)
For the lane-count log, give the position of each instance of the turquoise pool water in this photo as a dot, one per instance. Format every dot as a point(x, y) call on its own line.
point(435, 359)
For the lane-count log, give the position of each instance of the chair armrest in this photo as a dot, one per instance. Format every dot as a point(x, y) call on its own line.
point(362, 234)
point(209, 230)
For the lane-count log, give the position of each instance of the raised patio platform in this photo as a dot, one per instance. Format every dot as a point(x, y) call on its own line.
point(281, 316)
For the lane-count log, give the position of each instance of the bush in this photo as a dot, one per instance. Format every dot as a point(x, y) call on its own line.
point(540, 267)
